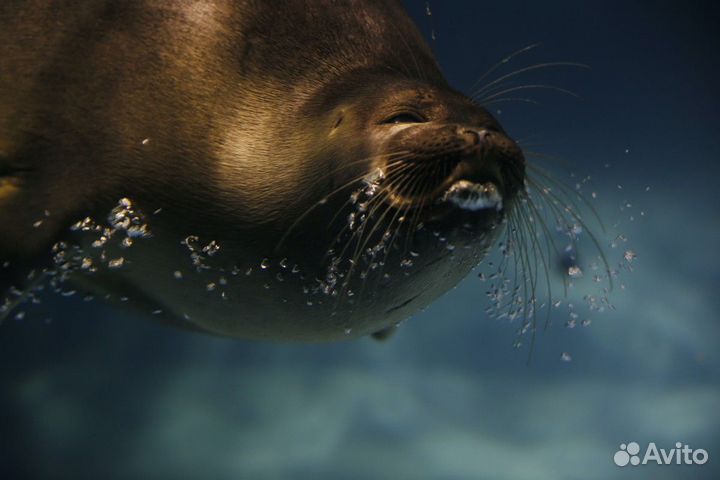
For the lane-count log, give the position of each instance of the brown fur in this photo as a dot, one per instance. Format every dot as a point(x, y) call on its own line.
point(233, 117)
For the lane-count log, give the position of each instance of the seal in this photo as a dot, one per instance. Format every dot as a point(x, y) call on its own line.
point(292, 171)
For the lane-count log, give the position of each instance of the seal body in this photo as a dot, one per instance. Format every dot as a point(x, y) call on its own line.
point(304, 169)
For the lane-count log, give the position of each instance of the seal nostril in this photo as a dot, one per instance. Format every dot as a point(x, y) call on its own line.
point(478, 136)
point(471, 135)
point(483, 135)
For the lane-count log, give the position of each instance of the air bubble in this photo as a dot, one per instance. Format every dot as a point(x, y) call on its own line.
point(575, 271)
point(211, 248)
point(116, 263)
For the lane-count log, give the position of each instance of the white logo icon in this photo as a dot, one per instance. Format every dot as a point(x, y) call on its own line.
point(680, 455)
point(627, 454)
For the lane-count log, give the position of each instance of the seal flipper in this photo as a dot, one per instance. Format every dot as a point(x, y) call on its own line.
point(385, 333)
point(114, 286)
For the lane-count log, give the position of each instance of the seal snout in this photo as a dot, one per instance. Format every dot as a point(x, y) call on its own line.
point(494, 171)
point(457, 166)
point(476, 183)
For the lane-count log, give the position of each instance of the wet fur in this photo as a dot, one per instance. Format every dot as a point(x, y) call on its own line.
point(234, 118)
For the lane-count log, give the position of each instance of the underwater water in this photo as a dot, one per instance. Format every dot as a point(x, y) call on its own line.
point(99, 393)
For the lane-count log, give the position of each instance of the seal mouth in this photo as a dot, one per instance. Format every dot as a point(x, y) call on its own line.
point(462, 188)
point(473, 196)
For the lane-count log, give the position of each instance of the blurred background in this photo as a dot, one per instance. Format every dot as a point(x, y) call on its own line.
point(90, 392)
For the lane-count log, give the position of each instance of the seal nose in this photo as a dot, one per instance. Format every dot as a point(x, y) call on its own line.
point(476, 136)
point(482, 164)
point(496, 158)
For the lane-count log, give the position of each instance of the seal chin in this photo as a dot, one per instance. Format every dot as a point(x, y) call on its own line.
point(472, 196)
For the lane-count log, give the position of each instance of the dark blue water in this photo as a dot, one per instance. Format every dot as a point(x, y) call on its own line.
point(96, 393)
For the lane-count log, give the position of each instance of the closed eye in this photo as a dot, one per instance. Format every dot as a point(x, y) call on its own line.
point(405, 117)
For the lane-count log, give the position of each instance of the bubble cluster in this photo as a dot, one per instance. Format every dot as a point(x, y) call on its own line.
point(525, 283)
point(93, 246)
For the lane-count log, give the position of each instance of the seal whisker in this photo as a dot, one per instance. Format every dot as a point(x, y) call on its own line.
point(322, 202)
point(401, 166)
point(538, 250)
point(399, 213)
point(535, 217)
point(355, 260)
point(567, 200)
point(525, 232)
point(408, 184)
point(416, 216)
point(549, 237)
point(588, 230)
point(360, 245)
point(399, 156)
point(375, 202)
point(502, 62)
point(526, 269)
point(525, 87)
point(538, 66)
point(566, 189)
point(403, 212)
point(555, 208)
point(512, 99)
point(569, 192)
point(553, 159)
point(502, 87)
point(530, 141)
point(528, 321)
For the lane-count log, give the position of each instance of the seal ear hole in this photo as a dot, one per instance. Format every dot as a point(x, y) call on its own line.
point(338, 121)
